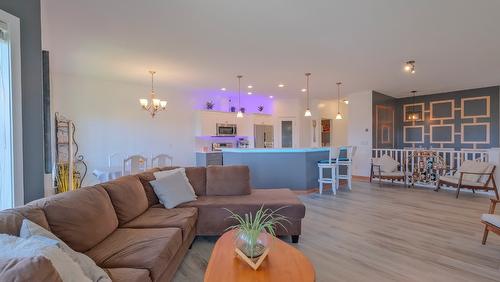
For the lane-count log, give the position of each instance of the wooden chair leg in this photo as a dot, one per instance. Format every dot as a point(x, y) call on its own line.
point(438, 185)
point(473, 191)
point(496, 193)
point(485, 234)
point(458, 192)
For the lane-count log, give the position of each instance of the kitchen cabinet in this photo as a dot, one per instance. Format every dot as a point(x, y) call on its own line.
point(206, 122)
point(209, 158)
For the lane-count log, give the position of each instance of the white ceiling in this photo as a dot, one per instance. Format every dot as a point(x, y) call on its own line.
point(200, 45)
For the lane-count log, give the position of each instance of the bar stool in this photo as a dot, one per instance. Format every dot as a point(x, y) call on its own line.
point(346, 153)
point(330, 164)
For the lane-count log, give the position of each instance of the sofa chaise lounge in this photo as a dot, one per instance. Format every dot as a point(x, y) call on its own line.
point(122, 226)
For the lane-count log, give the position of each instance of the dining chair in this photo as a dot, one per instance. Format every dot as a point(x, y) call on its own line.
point(330, 164)
point(114, 160)
point(161, 160)
point(134, 164)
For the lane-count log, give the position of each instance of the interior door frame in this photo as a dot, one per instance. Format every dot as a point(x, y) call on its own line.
point(14, 30)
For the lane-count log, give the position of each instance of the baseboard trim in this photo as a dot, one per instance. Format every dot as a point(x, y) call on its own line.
point(361, 178)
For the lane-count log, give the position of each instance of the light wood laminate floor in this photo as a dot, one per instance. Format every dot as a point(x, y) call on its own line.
point(388, 233)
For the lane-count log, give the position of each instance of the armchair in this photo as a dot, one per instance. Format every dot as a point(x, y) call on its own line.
point(491, 221)
point(386, 167)
point(473, 175)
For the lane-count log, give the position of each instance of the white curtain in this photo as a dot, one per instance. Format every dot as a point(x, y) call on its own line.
point(6, 146)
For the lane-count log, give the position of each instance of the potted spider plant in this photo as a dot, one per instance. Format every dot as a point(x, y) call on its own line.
point(255, 232)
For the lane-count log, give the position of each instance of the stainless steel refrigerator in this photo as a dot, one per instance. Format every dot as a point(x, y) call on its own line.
point(264, 136)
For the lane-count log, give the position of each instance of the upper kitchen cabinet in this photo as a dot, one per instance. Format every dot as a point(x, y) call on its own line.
point(206, 121)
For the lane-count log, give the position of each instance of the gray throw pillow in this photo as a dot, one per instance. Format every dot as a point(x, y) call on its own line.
point(173, 190)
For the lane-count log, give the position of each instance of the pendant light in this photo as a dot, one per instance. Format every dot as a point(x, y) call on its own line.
point(240, 113)
point(153, 105)
point(339, 115)
point(413, 114)
point(308, 111)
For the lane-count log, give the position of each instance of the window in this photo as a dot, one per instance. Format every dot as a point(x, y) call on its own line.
point(11, 191)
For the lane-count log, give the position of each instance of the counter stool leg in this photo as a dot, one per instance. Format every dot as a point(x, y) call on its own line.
point(320, 180)
point(334, 180)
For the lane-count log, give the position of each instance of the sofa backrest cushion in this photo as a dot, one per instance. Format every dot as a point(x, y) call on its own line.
point(228, 180)
point(145, 178)
point(37, 268)
point(12, 219)
point(81, 218)
point(128, 197)
point(198, 178)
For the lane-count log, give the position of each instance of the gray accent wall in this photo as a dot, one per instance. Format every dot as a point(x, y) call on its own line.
point(28, 11)
point(441, 129)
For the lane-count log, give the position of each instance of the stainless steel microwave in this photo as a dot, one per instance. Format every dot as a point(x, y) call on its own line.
point(224, 129)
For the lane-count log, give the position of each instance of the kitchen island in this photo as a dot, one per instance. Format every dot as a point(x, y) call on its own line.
point(292, 168)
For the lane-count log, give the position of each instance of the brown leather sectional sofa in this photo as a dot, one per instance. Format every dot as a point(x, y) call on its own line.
point(125, 230)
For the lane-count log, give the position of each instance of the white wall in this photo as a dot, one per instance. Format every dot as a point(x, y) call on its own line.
point(109, 120)
point(359, 130)
point(327, 109)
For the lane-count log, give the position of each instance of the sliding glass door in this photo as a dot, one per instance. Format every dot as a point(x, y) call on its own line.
point(6, 138)
point(11, 191)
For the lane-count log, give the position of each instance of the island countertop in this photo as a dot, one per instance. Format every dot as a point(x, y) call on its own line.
point(276, 150)
point(294, 168)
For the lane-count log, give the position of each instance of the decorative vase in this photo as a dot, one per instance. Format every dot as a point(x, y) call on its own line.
point(242, 110)
point(232, 109)
point(260, 108)
point(251, 244)
point(210, 105)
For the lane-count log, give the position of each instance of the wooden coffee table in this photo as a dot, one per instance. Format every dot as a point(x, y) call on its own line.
point(284, 263)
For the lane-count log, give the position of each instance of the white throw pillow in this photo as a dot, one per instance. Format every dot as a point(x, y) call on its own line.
point(164, 173)
point(16, 247)
point(387, 164)
point(173, 189)
point(90, 269)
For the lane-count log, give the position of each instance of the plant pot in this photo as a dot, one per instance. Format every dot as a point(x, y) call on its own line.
point(251, 244)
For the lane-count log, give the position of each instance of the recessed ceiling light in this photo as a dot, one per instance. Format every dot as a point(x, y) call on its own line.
point(271, 96)
point(281, 85)
point(303, 90)
point(249, 93)
point(250, 86)
point(223, 89)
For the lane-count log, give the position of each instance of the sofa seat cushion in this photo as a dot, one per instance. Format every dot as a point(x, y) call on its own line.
point(81, 218)
point(456, 177)
point(228, 180)
point(493, 219)
point(150, 249)
point(128, 197)
point(212, 216)
point(128, 274)
point(183, 218)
